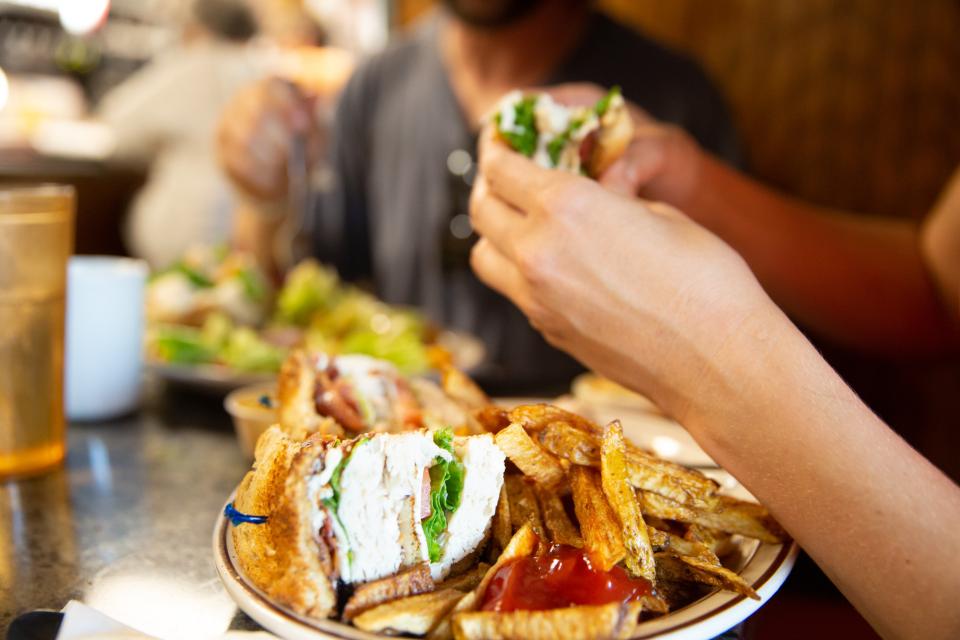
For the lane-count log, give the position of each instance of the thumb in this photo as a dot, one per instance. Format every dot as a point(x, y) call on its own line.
point(640, 164)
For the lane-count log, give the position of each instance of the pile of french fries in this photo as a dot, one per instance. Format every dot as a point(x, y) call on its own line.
point(663, 522)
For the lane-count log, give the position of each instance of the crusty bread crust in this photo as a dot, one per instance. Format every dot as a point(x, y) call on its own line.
point(299, 419)
point(281, 557)
point(296, 385)
point(613, 138)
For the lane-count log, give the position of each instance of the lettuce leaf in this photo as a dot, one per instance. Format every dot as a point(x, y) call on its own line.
point(555, 147)
point(523, 135)
point(182, 345)
point(604, 103)
point(446, 493)
point(196, 278)
point(405, 350)
point(333, 503)
point(246, 351)
point(254, 284)
point(308, 288)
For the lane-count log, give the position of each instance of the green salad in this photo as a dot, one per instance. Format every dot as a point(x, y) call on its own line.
point(202, 313)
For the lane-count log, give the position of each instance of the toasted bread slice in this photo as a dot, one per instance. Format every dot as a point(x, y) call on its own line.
point(296, 386)
point(299, 418)
point(281, 556)
point(613, 138)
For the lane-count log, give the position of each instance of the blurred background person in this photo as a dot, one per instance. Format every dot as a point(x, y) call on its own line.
point(395, 211)
point(166, 114)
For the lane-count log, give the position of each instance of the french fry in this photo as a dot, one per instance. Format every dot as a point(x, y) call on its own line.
point(678, 568)
point(443, 629)
point(524, 509)
point(411, 582)
point(572, 623)
point(414, 615)
point(736, 516)
point(535, 417)
point(492, 418)
point(462, 388)
point(530, 458)
point(691, 548)
point(646, 472)
point(502, 525)
point(466, 581)
point(667, 523)
point(598, 523)
point(576, 445)
point(720, 543)
point(659, 540)
point(613, 474)
point(555, 519)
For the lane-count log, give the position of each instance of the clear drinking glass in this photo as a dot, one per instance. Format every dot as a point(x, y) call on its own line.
point(36, 239)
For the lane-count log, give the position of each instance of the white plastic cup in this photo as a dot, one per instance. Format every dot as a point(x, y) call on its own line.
point(104, 346)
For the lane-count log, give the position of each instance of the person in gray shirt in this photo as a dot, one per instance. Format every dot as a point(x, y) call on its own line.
point(403, 144)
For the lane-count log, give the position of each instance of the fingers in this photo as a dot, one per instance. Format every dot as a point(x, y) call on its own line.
point(255, 134)
point(576, 94)
point(499, 273)
point(494, 219)
point(289, 103)
point(640, 163)
point(511, 176)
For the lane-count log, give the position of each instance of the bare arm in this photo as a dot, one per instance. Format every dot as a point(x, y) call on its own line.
point(254, 137)
point(875, 515)
point(941, 243)
point(640, 293)
point(858, 280)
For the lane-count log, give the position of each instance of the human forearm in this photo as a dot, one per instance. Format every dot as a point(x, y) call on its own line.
point(643, 295)
point(857, 280)
point(876, 516)
point(254, 231)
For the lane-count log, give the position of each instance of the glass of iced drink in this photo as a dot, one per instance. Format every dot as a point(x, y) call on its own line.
point(36, 239)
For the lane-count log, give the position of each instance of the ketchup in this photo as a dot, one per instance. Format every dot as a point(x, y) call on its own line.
point(561, 577)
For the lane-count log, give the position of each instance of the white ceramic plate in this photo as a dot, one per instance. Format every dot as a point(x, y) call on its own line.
point(763, 566)
point(209, 378)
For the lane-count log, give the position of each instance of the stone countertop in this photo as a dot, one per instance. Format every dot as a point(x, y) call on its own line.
point(125, 525)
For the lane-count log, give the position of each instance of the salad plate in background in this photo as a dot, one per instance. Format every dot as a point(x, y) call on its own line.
point(215, 322)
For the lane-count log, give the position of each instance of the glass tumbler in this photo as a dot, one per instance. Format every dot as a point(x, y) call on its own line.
point(36, 239)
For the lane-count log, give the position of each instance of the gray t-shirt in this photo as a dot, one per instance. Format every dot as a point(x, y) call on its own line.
point(395, 199)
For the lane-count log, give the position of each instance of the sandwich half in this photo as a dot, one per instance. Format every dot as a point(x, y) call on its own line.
point(344, 512)
point(353, 394)
point(583, 140)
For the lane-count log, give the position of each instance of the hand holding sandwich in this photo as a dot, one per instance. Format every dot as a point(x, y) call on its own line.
point(661, 162)
point(645, 296)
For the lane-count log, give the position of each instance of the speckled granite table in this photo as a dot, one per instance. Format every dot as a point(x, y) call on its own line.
point(125, 525)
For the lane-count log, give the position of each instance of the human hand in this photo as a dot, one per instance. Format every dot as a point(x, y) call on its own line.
point(633, 289)
point(256, 131)
point(662, 161)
